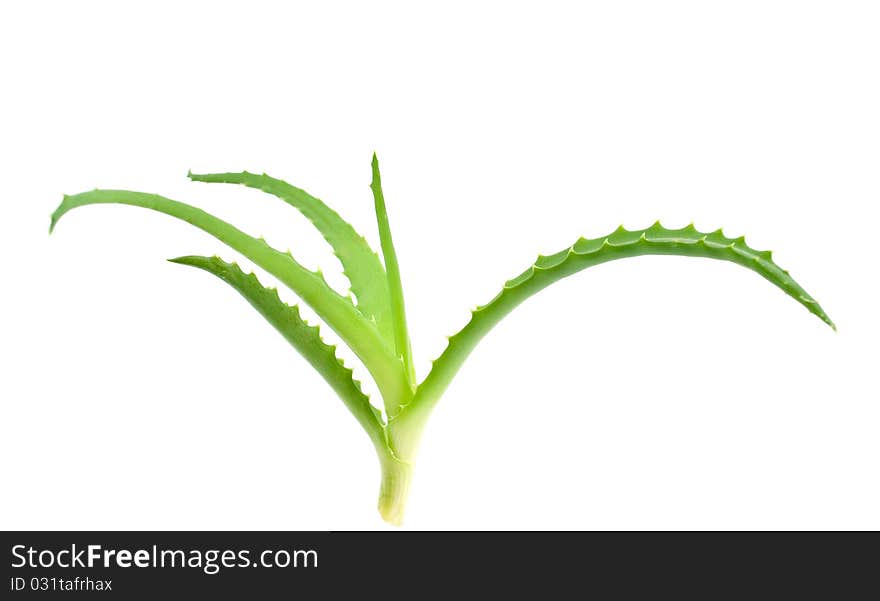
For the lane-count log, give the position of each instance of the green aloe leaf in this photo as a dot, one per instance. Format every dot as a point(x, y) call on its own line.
point(655, 240)
point(401, 334)
point(360, 263)
point(304, 338)
point(336, 310)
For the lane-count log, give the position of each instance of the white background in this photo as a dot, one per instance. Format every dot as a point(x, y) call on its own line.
point(651, 393)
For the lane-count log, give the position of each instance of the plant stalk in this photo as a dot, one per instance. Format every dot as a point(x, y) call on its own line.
point(394, 490)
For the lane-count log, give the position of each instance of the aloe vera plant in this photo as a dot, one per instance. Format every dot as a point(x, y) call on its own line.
point(373, 323)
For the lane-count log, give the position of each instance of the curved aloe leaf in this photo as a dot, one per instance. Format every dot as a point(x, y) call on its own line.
point(655, 240)
point(360, 263)
point(338, 311)
point(304, 338)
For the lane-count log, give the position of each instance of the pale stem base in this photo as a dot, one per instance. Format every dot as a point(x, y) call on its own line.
point(394, 490)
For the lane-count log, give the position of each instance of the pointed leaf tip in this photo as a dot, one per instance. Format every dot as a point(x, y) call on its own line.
point(57, 213)
point(184, 260)
point(376, 181)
